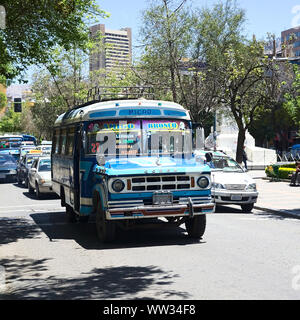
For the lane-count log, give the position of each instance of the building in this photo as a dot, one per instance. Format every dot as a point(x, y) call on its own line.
point(114, 50)
point(290, 40)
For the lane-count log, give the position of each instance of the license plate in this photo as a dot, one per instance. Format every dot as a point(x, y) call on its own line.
point(236, 197)
point(165, 198)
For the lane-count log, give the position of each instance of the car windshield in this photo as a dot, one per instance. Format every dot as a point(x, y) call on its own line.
point(45, 165)
point(226, 164)
point(6, 158)
point(138, 137)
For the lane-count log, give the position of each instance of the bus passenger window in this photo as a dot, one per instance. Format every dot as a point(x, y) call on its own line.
point(70, 141)
point(63, 139)
point(55, 146)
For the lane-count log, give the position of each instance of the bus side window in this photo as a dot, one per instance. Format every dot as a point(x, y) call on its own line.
point(63, 140)
point(70, 141)
point(55, 146)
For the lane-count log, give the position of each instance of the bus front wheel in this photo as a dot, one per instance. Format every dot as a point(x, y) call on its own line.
point(195, 226)
point(106, 229)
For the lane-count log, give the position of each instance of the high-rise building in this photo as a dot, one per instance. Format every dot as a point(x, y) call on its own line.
point(290, 39)
point(114, 50)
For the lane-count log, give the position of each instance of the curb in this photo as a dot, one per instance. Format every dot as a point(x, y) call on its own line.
point(283, 213)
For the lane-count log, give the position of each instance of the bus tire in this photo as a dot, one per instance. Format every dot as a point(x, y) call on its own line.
point(195, 226)
point(71, 214)
point(106, 230)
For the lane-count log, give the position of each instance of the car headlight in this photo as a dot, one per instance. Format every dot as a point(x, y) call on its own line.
point(251, 186)
point(118, 185)
point(203, 182)
point(13, 171)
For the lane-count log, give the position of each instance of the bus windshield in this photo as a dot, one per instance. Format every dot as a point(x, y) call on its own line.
point(7, 142)
point(138, 137)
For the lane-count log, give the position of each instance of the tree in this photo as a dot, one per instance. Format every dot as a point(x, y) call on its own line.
point(63, 85)
point(35, 27)
point(245, 80)
point(166, 36)
point(11, 122)
point(292, 98)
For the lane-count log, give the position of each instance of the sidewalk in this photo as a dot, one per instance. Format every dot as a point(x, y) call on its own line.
point(276, 197)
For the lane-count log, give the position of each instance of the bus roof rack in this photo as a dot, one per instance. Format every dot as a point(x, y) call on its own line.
point(106, 93)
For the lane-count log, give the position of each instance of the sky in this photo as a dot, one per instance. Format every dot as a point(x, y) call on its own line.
point(262, 15)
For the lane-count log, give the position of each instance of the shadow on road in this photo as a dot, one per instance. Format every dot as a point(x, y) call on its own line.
point(29, 279)
point(46, 196)
point(261, 214)
point(229, 209)
point(54, 225)
point(13, 229)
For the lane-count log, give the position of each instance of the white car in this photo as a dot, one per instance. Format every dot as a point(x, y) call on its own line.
point(39, 177)
point(230, 183)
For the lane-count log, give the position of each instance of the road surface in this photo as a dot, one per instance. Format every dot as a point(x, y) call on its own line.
point(241, 256)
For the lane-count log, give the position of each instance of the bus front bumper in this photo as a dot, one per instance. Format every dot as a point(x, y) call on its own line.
point(154, 211)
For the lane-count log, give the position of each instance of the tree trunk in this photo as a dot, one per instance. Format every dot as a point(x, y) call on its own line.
point(240, 145)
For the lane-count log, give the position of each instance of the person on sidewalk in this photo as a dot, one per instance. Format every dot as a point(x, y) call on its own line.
point(294, 179)
point(245, 158)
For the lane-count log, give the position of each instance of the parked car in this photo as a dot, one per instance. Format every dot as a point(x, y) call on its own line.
point(23, 167)
point(230, 183)
point(8, 167)
point(39, 177)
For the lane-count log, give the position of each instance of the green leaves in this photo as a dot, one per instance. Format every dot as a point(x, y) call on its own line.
point(35, 27)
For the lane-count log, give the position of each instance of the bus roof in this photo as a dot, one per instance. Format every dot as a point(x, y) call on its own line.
point(124, 109)
point(6, 136)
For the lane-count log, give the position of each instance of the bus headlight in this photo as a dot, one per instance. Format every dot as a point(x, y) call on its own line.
point(203, 182)
point(118, 185)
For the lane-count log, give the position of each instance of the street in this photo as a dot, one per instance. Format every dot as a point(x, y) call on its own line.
point(241, 256)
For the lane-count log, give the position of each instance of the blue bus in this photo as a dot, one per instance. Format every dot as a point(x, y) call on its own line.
point(129, 160)
point(11, 144)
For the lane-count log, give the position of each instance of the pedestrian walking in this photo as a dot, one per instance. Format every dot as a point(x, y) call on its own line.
point(245, 158)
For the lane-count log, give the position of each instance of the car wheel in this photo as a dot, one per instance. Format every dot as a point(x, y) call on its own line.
point(19, 180)
point(247, 207)
point(195, 226)
point(30, 189)
point(37, 191)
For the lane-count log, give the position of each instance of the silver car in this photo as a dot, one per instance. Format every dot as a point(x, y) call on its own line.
point(39, 177)
point(230, 183)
